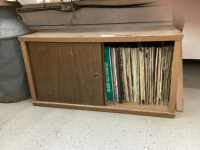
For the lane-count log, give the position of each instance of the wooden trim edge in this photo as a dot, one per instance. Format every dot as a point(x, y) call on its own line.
point(103, 39)
point(104, 109)
point(175, 75)
point(29, 71)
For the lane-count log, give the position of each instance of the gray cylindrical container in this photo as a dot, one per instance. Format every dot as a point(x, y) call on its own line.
point(13, 79)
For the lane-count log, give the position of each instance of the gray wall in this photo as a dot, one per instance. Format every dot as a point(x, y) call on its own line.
point(27, 1)
point(158, 15)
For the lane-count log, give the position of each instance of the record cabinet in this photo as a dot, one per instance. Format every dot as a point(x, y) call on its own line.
point(65, 67)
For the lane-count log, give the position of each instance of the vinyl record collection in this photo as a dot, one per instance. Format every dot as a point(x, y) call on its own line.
point(138, 72)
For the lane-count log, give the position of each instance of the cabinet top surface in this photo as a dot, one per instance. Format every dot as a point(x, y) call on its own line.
point(122, 34)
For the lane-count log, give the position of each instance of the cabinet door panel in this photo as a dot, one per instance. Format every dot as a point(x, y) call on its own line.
point(68, 72)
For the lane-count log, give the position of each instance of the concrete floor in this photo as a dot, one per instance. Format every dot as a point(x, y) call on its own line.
point(27, 127)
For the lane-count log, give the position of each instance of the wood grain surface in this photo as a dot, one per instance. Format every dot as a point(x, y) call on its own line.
point(126, 108)
point(29, 70)
point(175, 75)
point(128, 34)
point(68, 72)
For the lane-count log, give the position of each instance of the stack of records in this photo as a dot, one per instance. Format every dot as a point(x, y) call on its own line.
point(138, 72)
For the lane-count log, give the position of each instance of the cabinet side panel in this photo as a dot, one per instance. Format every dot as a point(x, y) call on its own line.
point(29, 70)
point(175, 74)
point(68, 72)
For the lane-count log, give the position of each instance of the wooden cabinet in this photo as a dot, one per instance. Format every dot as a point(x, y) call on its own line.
point(65, 67)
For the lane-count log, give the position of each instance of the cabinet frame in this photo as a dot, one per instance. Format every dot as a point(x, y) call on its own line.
point(134, 34)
